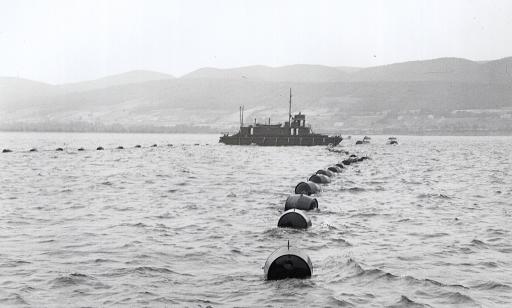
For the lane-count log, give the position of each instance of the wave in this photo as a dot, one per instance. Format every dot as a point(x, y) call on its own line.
point(352, 269)
point(279, 233)
point(478, 243)
point(457, 298)
point(406, 302)
point(433, 196)
point(74, 279)
point(13, 298)
point(14, 263)
point(364, 215)
point(353, 189)
point(153, 269)
point(492, 285)
point(145, 271)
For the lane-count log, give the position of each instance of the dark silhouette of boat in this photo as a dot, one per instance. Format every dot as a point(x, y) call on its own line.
point(365, 140)
point(291, 133)
point(392, 140)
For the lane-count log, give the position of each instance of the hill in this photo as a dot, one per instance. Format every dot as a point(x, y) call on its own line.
point(131, 77)
point(439, 95)
point(291, 73)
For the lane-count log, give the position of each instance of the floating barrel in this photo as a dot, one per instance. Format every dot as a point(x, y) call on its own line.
point(169, 145)
point(120, 147)
point(360, 159)
point(154, 145)
point(340, 165)
point(295, 219)
point(33, 150)
point(300, 202)
point(319, 179)
point(59, 149)
point(81, 149)
point(325, 172)
point(99, 149)
point(350, 161)
point(359, 142)
point(352, 155)
point(138, 146)
point(6, 151)
point(288, 262)
point(307, 188)
point(334, 169)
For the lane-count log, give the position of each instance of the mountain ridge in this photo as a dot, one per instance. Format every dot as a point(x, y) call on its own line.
point(438, 89)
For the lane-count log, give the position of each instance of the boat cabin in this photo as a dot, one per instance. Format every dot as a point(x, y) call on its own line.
point(296, 128)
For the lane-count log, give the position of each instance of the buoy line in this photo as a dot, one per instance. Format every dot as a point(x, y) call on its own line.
point(286, 262)
point(99, 148)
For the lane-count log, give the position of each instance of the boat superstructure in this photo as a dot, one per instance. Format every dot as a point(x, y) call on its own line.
point(294, 132)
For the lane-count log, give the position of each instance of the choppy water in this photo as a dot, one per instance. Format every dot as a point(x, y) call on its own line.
point(427, 222)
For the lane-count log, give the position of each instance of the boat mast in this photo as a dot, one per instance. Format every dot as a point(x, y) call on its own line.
point(241, 115)
point(290, 109)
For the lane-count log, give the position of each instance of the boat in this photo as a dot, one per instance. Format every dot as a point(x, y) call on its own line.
point(291, 133)
point(392, 140)
point(365, 140)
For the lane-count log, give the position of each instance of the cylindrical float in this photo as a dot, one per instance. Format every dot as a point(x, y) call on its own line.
point(59, 149)
point(350, 161)
point(120, 147)
point(154, 145)
point(6, 151)
point(334, 169)
point(325, 172)
point(288, 262)
point(81, 149)
point(340, 165)
point(138, 146)
point(300, 202)
point(295, 219)
point(319, 179)
point(99, 149)
point(307, 188)
point(33, 150)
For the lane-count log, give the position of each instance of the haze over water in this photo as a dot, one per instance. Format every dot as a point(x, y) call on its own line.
point(426, 222)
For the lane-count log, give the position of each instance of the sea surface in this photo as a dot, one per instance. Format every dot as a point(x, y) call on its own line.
point(425, 223)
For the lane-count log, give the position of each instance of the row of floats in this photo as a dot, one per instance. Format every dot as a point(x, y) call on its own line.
point(100, 148)
point(290, 262)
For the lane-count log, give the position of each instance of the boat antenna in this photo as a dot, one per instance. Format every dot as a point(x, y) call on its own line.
point(290, 109)
point(241, 115)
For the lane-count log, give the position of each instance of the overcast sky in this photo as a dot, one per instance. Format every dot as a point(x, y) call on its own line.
point(67, 41)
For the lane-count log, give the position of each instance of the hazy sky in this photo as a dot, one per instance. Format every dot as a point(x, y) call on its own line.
point(66, 41)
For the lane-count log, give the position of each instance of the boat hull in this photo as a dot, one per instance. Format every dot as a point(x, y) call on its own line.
point(281, 140)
